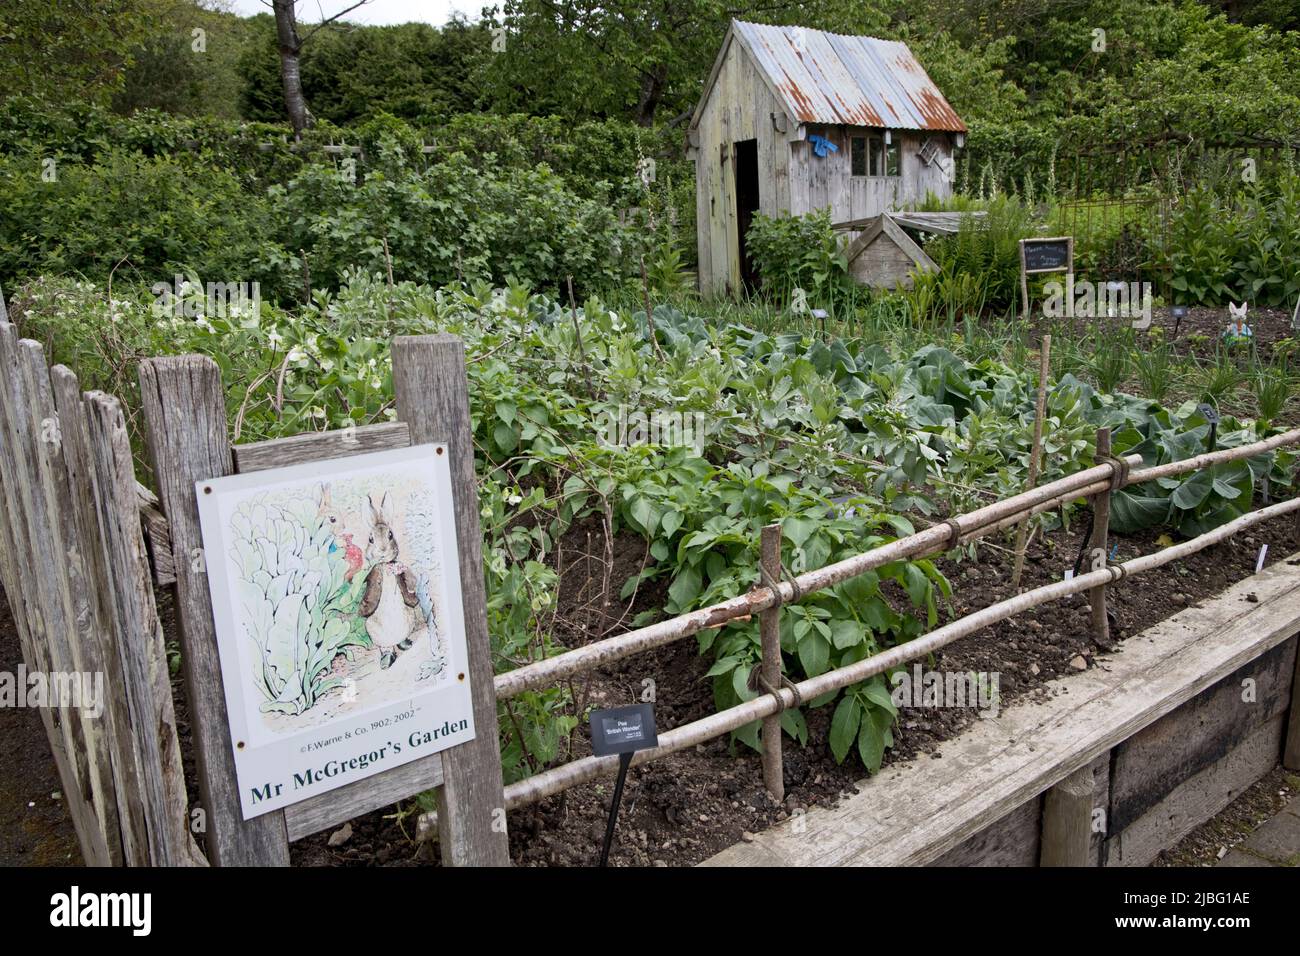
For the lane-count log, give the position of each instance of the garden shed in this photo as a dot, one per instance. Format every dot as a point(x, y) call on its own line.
point(794, 120)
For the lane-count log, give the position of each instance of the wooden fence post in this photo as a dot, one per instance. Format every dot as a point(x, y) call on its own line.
point(135, 654)
point(432, 394)
point(1067, 821)
point(1100, 536)
point(770, 632)
point(185, 414)
point(1036, 450)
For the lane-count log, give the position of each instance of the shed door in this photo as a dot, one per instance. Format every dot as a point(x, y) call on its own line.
point(746, 172)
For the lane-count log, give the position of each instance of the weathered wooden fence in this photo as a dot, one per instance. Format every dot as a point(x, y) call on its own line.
point(82, 547)
point(74, 568)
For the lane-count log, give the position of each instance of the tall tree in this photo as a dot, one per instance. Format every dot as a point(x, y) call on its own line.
point(291, 44)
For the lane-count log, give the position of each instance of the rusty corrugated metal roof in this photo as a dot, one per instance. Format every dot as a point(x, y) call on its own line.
point(858, 81)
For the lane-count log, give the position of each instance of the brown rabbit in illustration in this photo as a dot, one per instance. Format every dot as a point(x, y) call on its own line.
point(390, 604)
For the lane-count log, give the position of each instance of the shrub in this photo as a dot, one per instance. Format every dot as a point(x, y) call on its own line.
point(144, 217)
point(798, 252)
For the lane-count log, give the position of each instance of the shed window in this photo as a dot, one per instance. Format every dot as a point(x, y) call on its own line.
point(858, 155)
point(872, 156)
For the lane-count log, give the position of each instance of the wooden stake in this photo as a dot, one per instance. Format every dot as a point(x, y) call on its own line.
point(769, 628)
point(433, 399)
point(1040, 410)
point(1098, 546)
point(1067, 821)
point(185, 413)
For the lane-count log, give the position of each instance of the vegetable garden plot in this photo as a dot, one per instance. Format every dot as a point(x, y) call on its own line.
point(530, 441)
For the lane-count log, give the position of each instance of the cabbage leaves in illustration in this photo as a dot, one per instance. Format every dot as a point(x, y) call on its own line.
point(299, 606)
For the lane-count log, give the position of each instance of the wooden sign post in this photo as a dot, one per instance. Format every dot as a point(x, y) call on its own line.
point(185, 414)
point(1038, 256)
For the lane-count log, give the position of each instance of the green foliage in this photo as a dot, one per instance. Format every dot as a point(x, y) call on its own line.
point(979, 266)
point(62, 50)
point(798, 252)
point(415, 71)
point(145, 217)
point(450, 222)
point(1198, 501)
point(833, 440)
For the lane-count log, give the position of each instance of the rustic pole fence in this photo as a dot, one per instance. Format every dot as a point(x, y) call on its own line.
point(1099, 543)
point(1111, 474)
point(769, 627)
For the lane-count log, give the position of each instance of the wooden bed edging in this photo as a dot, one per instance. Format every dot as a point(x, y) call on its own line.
point(1171, 729)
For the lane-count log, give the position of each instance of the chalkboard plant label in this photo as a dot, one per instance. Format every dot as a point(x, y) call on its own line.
point(623, 730)
point(1047, 255)
point(337, 602)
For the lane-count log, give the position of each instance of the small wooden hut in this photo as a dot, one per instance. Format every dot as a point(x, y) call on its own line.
point(794, 120)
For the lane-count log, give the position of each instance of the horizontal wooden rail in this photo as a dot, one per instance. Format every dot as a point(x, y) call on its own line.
point(930, 541)
point(553, 781)
point(973, 525)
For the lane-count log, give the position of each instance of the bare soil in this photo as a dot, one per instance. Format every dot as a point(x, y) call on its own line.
point(683, 809)
point(1234, 824)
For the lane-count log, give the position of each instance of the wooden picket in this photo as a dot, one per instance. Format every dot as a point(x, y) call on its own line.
point(75, 571)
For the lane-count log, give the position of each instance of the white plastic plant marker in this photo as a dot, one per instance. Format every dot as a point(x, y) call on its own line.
point(337, 601)
point(1259, 562)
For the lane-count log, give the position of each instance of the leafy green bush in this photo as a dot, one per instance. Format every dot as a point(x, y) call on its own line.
point(451, 222)
point(147, 218)
point(798, 252)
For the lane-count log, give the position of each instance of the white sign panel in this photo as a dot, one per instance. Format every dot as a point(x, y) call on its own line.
point(336, 593)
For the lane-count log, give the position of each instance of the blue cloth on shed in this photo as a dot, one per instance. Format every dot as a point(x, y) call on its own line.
point(822, 146)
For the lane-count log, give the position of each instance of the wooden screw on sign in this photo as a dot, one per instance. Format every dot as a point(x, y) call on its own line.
point(185, 412)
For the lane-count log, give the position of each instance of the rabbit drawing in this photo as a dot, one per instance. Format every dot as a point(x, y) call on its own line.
point(390, 604)
point(340, 526)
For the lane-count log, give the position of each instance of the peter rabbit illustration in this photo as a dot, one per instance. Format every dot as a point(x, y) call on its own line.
point(340, 526)
point(390, 604)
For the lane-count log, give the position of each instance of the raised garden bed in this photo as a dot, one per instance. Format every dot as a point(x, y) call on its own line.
point(1154, 742)
point(684, 809)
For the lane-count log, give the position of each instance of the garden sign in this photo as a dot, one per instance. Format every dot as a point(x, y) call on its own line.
point(336, 596)
point(1038, 256)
